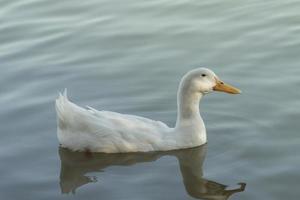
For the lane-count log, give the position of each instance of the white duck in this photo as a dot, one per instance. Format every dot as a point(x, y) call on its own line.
point(81, 129)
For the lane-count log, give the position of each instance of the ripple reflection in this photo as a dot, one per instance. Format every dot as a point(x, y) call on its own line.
point(75, 166)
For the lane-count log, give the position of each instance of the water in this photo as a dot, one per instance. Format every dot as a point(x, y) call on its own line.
point(128, 56)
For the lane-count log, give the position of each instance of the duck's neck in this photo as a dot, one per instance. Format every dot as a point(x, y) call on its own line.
point(190, 129)
point(188, 106)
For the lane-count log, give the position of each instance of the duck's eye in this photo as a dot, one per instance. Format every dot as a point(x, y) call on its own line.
point(203, 75)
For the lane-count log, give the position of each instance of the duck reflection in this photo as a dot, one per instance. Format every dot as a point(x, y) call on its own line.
point(75, 166)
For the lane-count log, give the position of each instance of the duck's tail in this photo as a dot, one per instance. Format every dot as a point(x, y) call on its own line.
point(76, 126)
point(60, 105)
point(69, 115)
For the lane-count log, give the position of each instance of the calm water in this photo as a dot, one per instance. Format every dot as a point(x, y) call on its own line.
point(128, 56)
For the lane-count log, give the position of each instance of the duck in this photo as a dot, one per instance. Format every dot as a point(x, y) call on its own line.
point(91, 130)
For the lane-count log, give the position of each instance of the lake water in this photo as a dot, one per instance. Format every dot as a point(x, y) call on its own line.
point(128, 56)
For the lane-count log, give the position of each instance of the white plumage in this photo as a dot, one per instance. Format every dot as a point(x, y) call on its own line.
point(81, 129)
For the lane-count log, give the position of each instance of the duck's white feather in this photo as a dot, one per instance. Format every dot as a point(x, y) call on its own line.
point(81, 129)
point(102, 131)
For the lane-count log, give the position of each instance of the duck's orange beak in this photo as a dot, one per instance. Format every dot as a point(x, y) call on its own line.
point(223, 87)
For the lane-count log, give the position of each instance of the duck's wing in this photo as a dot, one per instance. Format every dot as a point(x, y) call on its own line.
point(129, 122)
point(104, 131)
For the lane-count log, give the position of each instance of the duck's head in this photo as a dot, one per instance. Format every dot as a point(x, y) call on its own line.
point(204, 80)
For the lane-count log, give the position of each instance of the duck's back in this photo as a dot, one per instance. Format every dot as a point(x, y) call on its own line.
point(82, 129)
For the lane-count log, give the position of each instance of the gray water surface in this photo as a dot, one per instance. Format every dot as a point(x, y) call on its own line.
point(128, 56)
